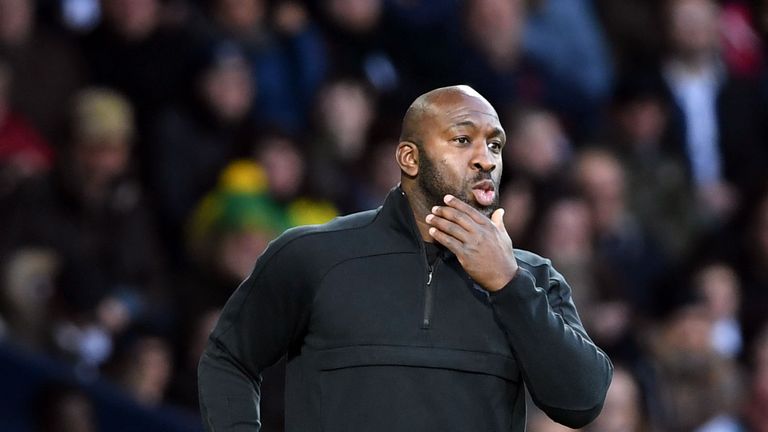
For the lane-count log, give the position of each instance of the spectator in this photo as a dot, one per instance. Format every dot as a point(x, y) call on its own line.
point(135, 52)
point(631, 27)
point(64, 408)
point(719, 120)
point(696, 387)
point(193, 336)
point(284, 165)
point(191, 143)
point(28, 286)
point(622, 245)
point(538, 150)
point(658, 190)
point(752, 266)
point(32, 52)
point(286, 52)
point(497, 65)
point(566, 236)
point(359, 42)
point(142, 367)
point(89, 212)
point(228, 229)
point(344, 115)
point(756, 407)
point(565, 38)
point(720, 290)
point(517, 197)
point(24, 154)
point(623, 411)
point(380, 174)
point(286, 177)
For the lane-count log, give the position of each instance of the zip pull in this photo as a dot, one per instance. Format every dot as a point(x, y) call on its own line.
point(425, 323)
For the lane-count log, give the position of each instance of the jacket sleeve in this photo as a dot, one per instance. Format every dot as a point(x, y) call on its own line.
point(566, 374)
point(261, 321)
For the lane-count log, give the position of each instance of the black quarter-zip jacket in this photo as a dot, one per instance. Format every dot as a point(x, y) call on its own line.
point(378, 340)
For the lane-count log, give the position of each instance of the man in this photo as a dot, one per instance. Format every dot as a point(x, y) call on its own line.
point(417, 316)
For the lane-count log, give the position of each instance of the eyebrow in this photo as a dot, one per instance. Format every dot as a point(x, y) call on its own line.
point(469, 123)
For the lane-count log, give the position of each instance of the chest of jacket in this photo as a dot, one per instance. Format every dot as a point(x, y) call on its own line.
point(398, 300)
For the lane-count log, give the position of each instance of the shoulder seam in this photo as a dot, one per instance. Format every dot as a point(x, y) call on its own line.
point(269, 260)
point(322, 278)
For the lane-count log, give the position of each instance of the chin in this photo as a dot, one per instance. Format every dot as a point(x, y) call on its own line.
point(486, 210)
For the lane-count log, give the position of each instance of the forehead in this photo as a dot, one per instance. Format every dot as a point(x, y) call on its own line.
point(459, 108)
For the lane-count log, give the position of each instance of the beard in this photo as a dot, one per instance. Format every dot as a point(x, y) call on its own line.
point(434, 187)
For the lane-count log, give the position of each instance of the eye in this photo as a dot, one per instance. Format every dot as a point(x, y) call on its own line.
point(462, 140)
point(495, 146)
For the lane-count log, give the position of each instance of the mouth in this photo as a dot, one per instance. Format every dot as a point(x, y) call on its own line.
point(484, 192)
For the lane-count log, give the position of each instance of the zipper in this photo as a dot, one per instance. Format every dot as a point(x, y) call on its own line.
point(428, 299)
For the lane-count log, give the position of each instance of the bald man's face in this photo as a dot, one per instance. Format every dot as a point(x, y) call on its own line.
point(462, 141)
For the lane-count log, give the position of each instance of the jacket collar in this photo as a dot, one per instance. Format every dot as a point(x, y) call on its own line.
point(396, 215)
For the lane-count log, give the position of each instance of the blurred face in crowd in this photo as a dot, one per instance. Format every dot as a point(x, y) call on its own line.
point(567, 231)
point(539, 422)
point(27, 288)
point(689, 331)
point(16, 20)
point(239, 16)
point(99, 162)
point(693, 26)
point(601, 178)
point(384, 170)
point(621, 412)
point(358, 16)
point(133, 19)
point(70, 412)
point(149, 370)
point(239, 250)
point(461, 141)
point(517, 200)
point(284, 166)
point(642, 122)
point(228, 89)
point(538, 145)
point(719, 287)
point(346, 113)
point(496, 27)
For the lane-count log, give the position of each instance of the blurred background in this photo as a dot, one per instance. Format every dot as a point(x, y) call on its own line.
point(150, 149)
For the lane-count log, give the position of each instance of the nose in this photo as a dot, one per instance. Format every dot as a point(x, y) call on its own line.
point(483, 160)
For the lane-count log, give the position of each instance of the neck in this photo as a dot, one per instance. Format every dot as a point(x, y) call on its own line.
point(420, 209)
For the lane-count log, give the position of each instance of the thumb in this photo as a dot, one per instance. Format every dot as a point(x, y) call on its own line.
point(498, 218)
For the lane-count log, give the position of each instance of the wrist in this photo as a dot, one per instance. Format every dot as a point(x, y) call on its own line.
point(503, 280)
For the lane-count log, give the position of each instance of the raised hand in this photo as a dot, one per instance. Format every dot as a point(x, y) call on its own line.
point(481, 245)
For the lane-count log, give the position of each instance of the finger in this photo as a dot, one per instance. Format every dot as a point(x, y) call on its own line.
point(451, 228)
point(460, 205)
point(446, 240)
point(456, 216)
point(498, 219)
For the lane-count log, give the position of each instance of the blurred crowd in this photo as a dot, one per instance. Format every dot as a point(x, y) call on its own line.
point(150, 149)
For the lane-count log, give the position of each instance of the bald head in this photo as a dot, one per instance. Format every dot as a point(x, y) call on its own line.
point(451, 142)
point(431, 103)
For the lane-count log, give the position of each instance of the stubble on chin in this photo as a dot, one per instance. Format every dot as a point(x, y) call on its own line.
point(434, 187)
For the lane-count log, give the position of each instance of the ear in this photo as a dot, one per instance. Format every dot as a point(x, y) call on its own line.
point(407, 156)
